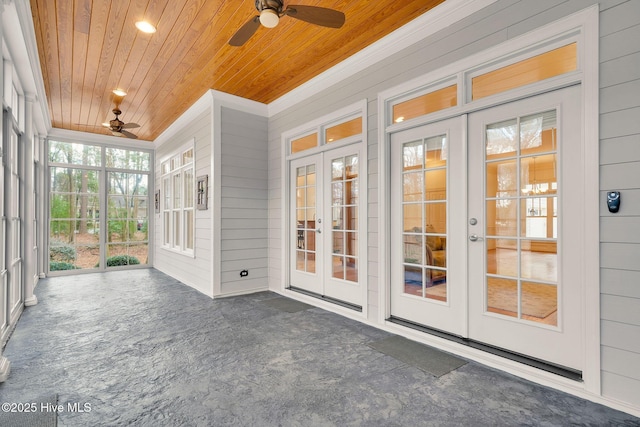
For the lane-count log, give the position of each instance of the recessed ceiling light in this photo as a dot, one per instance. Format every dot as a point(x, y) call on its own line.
point(119, 92)
point(145, 27)
point(400, 119)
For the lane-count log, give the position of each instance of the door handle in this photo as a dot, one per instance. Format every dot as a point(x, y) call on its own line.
point(318, 230)
point(475, 238)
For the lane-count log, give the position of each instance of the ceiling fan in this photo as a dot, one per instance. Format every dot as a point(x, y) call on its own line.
point(270, 12)
point(117, 126)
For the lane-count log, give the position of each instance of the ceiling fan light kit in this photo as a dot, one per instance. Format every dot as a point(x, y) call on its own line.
point(269, 18)
point(270, 12)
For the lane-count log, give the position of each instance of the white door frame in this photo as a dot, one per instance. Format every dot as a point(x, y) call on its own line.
point(357, 109)
point(581, 27)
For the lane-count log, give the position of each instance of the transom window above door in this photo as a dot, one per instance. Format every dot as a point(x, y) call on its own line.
point(341, 128)
point(465, 87)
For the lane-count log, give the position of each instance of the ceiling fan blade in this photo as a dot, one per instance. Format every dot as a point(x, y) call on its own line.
point(130, 125)
point(128, 134)
point(245, 32)
point(316, 15)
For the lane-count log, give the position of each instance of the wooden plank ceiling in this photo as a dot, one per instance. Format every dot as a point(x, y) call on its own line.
point(88, 48)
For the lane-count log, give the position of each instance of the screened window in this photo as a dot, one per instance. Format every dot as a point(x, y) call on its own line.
point(98, 207)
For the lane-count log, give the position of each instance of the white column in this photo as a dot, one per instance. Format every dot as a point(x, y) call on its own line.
point(30, 274)
point(4, 362)
point(42, 212)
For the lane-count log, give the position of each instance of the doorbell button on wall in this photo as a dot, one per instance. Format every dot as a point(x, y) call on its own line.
point(613, 201)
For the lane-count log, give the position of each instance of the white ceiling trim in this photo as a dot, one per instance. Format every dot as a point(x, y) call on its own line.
point(205, 103)
point(19, 34)
point(438, 18)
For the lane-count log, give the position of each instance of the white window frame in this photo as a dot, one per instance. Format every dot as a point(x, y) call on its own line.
point(175, 232)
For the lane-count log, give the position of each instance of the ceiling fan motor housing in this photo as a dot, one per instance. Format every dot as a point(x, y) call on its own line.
point(116, 124)
point(275, 5)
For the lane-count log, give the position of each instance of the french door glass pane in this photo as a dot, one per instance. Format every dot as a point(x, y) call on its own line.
point(521, 218)
point(424, 189)
point(306, 218)
point(344, 226)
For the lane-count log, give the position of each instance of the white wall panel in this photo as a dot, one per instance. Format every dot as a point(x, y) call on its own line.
point(194, 271)
point(618, 387)
point(620, 150)
point(620, 309)
point(625, 283)
point(244, 202)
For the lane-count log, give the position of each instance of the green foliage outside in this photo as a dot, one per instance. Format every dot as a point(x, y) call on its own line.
point(58, 266)
point(117, 260)
point(62, 252)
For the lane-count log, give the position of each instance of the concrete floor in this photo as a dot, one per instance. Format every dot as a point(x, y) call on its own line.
point(143, 349)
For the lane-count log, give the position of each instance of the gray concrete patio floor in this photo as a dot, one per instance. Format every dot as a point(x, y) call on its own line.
point(140, 348)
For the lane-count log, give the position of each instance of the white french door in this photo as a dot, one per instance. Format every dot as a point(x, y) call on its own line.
point(428, 261)
point(326, 225)
point(483, 229)
point(525, 222)
point(306, 220)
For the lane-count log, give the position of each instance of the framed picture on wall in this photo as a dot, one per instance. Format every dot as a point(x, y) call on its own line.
point(157, 201)
point(202, 192)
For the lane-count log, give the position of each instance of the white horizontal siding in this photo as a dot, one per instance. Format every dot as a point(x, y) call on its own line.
point(622, 256)
point(619, 170)
point(621, 362)
point(621, 309)
point(621, 388)
point(244, 205)
point(623, 229)
point(194, 271)
point(620, 150)
point(620, 336)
